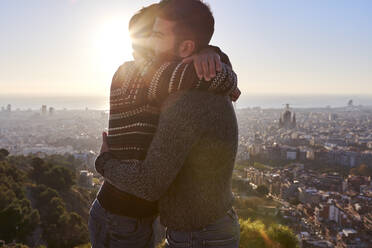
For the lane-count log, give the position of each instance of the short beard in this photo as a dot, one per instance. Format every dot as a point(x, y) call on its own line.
point(171, 54)
point(167, 56)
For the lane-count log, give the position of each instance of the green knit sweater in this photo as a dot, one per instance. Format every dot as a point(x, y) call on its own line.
point(189, 164)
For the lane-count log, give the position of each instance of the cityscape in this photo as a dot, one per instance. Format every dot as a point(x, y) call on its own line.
point(314, 163)
point(84, 81)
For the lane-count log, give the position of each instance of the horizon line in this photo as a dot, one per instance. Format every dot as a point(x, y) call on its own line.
point(243, 94)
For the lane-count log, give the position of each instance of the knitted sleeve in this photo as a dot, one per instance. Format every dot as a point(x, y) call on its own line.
point(224, 58)
point(121, 79)
point(184, 119)
point(171, 77)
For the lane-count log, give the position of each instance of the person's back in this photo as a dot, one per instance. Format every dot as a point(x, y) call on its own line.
point(201, 192)
point(134, 113)
point(188, 169)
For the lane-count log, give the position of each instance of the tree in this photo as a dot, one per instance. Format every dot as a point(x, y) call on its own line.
point(3, 153)
point(18, 219)
point(59, 178)
point(56, 177)
point(252, 234)
point(283, 236)
point(60, 228)
point(256, 235)
point(68, 230)
point(38, 169)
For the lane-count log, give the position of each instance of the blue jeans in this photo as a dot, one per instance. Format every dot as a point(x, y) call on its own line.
point(223, 233)
point(108, 230)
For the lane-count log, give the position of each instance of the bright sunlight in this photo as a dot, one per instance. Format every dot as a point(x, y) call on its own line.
point(112, 44)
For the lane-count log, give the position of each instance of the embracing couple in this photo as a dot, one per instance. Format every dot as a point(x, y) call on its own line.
point(172, 137)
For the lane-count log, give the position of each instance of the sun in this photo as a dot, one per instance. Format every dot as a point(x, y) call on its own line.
point(113, 45)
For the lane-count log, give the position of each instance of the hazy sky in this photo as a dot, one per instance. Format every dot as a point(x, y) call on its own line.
point(73, 47)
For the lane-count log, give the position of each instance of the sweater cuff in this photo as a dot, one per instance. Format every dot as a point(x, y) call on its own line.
point(101, 160)
point(224, 58)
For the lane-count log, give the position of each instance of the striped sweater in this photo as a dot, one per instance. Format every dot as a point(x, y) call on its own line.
point(138, 90)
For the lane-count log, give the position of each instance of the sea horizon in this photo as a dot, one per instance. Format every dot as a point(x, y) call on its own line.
point(34, 102)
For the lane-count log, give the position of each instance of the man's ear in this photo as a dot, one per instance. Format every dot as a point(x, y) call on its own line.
point(186, 48)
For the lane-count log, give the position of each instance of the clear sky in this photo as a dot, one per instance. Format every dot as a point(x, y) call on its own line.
point(73, 47)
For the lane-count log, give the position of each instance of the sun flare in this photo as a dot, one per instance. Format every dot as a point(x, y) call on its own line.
point(113, 45)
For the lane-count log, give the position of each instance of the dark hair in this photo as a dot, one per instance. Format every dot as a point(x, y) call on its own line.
point(141, 23)
point(140, 28)
point(194, 20)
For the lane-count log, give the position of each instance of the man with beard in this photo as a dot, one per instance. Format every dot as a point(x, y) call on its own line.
point(120, 218)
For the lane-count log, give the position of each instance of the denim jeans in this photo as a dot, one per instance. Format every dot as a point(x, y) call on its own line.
point(108, 230)
point(223, 233)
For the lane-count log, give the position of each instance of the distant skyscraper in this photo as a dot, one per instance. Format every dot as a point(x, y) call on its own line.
point(287, 120)
point(51, 110)
point(256, 147)
point(9, 108)
point(332, 117)
point(44, 109)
